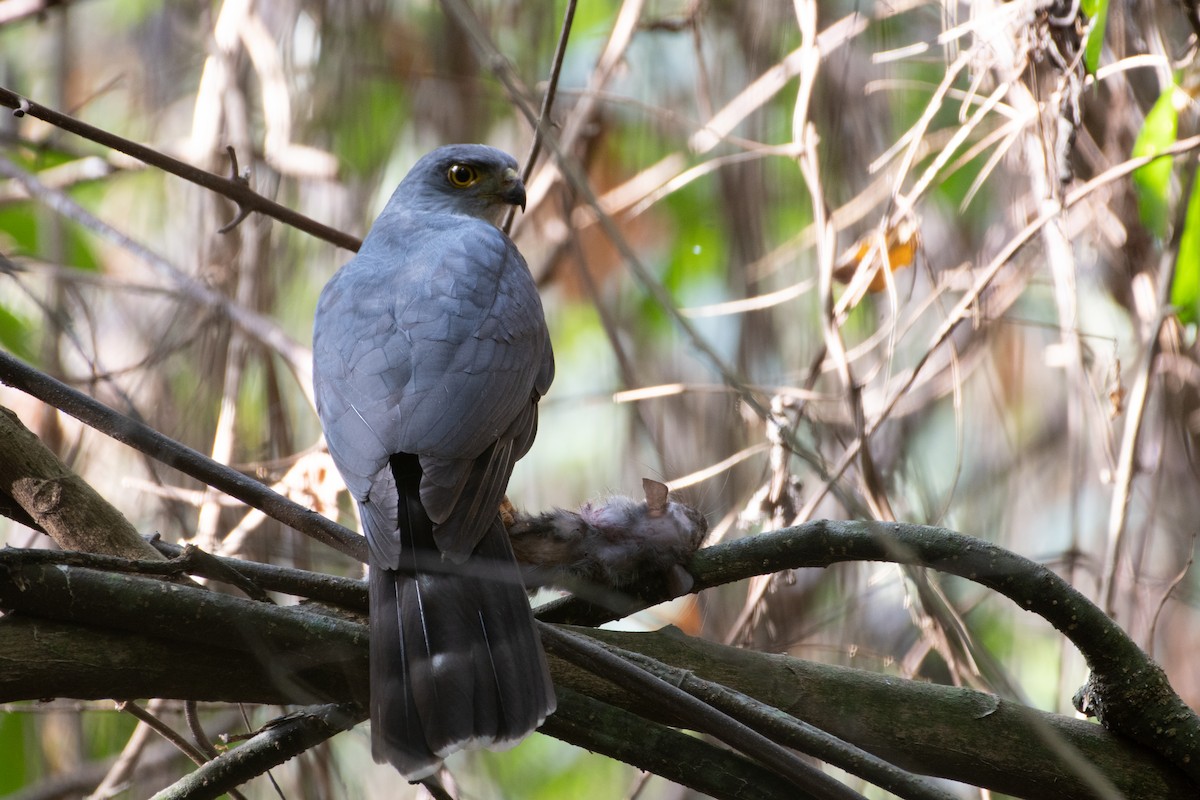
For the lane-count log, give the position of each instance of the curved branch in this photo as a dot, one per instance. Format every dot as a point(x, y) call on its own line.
point(945, 731)
point(1128, 692)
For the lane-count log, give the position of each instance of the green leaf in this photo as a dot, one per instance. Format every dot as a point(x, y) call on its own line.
point(1153, 181)
point(23, 231)
point(15, 733)
point(1097, 12)
point(18, 229)
point(1185, 289)
point(16, 335)
point(378, 106)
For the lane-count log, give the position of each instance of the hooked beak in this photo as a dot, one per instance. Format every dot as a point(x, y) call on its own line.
point(512, 191)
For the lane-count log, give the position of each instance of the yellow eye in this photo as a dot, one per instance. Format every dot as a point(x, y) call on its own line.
point(462, 175)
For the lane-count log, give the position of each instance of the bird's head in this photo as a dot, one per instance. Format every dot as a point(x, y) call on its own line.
point(471, 179)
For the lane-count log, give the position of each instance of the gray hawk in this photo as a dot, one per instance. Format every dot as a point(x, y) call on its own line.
point(430, 353)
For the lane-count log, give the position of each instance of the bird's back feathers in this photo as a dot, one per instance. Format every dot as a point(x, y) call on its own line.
point(430, 353)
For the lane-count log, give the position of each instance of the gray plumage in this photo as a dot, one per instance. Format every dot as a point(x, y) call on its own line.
point(430, 352)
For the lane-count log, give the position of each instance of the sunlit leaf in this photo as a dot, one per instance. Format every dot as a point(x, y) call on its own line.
point(1185, 291)
point(1153, 181)
point(1097, 12)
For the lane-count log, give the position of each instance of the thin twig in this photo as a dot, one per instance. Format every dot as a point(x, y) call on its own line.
point(1127, 465)
point(203, 743)
point(560, 52)
point(280, 741)
point(535, 147)
point(258, 327)
point(119, 773)
point(1187, 567)
point(237, 191)
point(181, 457)
point(1127, 462)
point(162, 729)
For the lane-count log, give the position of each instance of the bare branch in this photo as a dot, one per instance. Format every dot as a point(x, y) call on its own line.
point(281, 740)
point(237, 191)
point(188, 461)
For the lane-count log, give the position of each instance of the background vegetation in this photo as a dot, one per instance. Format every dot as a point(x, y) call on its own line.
point(1026, 372)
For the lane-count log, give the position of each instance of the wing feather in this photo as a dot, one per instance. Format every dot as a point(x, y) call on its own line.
point(444, 356)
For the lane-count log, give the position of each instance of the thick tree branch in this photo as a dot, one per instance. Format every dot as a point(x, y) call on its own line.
point(808, 781)
point(43, 658)
point(781, 727)
point(65, 639)
point(930, 729)
point(687, 760)
point(308, 657)
point(1129, 693)
point(59, 501)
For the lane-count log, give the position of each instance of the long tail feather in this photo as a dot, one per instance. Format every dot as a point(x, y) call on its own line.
point(455, 659)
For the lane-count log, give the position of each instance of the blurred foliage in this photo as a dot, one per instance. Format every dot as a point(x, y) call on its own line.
point(1185, 289)
point(1096, 12)
point(16, 765)
point(969, 120)
point(1153, 181)
point(16, 334)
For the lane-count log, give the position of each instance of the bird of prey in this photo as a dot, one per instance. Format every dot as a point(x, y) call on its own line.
point(430, 353)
